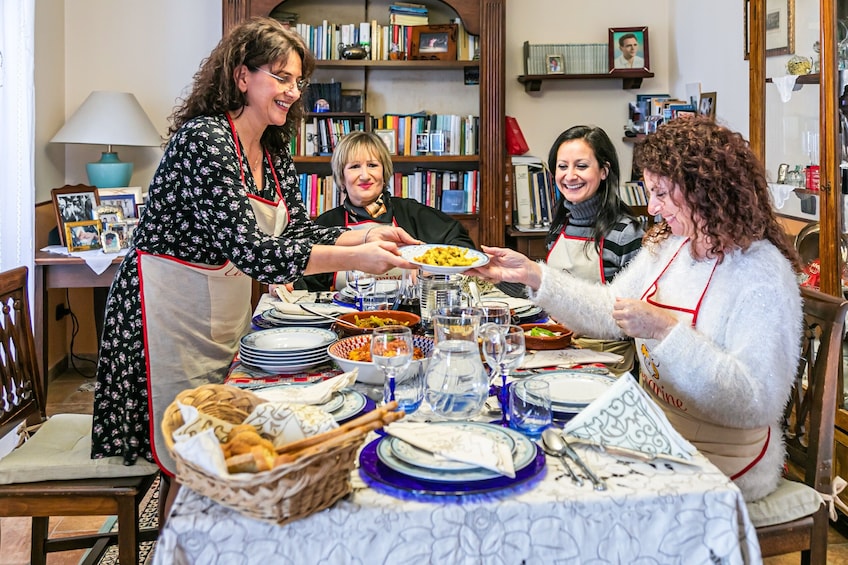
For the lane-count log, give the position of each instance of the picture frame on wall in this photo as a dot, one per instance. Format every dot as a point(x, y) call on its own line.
point(75, 203)
point(433, 43)
point(780, 28)
point(628, 50)
point(83, 235)
point(389, 137)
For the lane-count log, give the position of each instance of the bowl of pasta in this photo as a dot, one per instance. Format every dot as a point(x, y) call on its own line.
point(362, 323)
point(355, 352)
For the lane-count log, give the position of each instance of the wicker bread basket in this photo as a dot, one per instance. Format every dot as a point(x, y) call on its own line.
point(287, 492)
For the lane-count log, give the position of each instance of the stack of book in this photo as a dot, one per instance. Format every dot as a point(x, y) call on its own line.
point(534, 194)
point(408, 14)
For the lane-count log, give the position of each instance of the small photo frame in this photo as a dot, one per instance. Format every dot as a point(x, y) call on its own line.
point(437, 142)
point(353, 101)
point(389, 137)
point(73, 204)
point(422, 143)
point(433, 42)
point(110, 242)
point(628, 50)
point(139, 208)
point(555, 65)
point(707, 104)
point(82, 236)
point(108, 214)
point(121, 197)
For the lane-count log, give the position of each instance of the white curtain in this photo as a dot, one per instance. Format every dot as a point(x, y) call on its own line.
point(17, 134)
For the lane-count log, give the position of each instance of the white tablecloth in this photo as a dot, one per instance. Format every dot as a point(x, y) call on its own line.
point(651, 513)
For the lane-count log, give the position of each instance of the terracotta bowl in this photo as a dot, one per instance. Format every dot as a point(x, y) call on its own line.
point(369, 373)
point(544, 342)
point(344, 330)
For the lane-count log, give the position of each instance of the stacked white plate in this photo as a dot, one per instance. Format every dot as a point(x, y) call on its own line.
point(286, 350)
point(275, 317)
point(572, 390)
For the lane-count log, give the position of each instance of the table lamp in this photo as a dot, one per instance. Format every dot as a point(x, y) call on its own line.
point(109, 118)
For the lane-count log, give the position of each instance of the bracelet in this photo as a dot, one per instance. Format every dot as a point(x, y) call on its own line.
point(365, 239)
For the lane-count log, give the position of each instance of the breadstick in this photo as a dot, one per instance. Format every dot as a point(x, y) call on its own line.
point(378, 414)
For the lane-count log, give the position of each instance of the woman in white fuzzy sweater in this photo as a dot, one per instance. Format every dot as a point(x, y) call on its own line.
point(712, 299)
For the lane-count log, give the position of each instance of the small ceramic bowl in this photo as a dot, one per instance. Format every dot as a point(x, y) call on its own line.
point(407, 319)
point(369, 373)
point(547, 342)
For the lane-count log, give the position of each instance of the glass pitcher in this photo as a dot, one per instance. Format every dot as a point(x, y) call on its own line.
point(456, 383)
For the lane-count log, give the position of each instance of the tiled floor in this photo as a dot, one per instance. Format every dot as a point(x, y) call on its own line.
point(64, 396)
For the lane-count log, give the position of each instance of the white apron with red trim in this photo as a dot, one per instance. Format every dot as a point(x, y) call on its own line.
point(194, 316)
point(572, 254)
point(733, 450)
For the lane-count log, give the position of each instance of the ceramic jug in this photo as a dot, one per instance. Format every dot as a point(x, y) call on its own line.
point(456, 383)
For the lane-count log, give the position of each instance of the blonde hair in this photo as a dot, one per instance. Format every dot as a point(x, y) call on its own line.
point(357, 142)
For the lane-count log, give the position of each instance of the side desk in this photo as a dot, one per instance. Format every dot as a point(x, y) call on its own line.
point(59, 271)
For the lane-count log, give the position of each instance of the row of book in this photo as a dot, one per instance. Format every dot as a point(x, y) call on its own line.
point(566, 58)
point(634, 193)
point(383, 42)
point(319, 134)
point(452, 192)
point(534, 194)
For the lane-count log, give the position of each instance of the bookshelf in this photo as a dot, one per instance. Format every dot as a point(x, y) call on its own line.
point(482, 18)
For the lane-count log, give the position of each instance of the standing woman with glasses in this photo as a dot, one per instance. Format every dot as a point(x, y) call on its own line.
point(224, 207)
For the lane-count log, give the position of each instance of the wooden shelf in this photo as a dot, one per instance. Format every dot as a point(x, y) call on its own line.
point(393, 65)
point(631, 80)
point(421, 159)
point(812, 78)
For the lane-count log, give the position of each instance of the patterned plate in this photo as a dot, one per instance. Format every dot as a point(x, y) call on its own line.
point(336, 400)
point(408, 453)
point(410, 252)
point(572, 391)
point(288, 339)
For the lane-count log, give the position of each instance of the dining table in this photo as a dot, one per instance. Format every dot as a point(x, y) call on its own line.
point(652, 511)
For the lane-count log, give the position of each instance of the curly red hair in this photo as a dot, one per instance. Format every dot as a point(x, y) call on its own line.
point(721, 180)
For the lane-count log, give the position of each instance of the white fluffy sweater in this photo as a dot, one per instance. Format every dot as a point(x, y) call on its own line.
point(737, 365)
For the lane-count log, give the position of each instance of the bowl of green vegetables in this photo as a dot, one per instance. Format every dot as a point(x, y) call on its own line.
point(546, 336)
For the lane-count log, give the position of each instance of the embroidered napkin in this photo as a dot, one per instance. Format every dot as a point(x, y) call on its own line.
point(318, 393)
point(567, 358)
point(625, 416)
point(456, 444)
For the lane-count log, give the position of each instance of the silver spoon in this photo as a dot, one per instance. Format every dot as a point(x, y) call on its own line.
point(554, 446)
point(558, 442)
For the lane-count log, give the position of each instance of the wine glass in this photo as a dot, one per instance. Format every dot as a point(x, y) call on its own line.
point(503, 349)
point(391, 351)
point(496, 312)
point(360, 283)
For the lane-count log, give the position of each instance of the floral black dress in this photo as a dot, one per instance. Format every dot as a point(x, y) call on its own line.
point(198, 212)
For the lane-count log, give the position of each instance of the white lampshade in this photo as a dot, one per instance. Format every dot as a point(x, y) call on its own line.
point(109, 118)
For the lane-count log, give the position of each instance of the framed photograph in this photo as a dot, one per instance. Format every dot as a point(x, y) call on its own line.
point(555, 66)
point(353, 101)
point(422, 143)
point(433, 42)
point(139, 208)
point(628, 50)
point(389, 137)
point(108, 214)
point(82, 236)
point(111, 195)
point(73, 204)
point(707, 104)
point(110, 242)
point(437, 142)
point(780, 27)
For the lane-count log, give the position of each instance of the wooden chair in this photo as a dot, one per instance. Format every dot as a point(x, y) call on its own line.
point(795, 517)
point(51, 473)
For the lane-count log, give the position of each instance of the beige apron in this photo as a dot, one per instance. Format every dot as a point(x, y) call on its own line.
point(194, 316)
point(733, 450)
point(572, 254)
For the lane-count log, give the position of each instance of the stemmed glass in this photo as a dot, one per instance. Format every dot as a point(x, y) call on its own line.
point(503, 349)
point(391, 350)
point(496, 312)
point(360, 283)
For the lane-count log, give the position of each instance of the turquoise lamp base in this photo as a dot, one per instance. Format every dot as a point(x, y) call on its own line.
point(109, 171)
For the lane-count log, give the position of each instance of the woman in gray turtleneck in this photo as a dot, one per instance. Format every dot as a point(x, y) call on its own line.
point(594, 234)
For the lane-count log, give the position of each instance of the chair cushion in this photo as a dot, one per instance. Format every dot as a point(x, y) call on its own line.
point(792, 500)
point(61, 450)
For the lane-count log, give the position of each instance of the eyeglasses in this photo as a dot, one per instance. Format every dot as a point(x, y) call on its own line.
point(287, 81)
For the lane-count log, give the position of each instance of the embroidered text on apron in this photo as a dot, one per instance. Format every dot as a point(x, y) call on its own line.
point(733, 450)
point(578, 256)
point(194, 316)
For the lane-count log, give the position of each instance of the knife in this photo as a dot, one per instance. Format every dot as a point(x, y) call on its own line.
point(631, 453)
point(598, 483)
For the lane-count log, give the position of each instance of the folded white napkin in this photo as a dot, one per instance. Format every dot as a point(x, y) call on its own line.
point(317, 393)
point(785, 85)
point(567, 358)
point(459, 445)
point(779, 193)
point(625, 416)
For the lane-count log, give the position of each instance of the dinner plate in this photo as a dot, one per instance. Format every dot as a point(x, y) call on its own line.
point(571, 391)
point(378, 475)
point(522, 455)
point(382, 286)
point(285, 369)
point(283, 358)
point(288, 339)
point(410, 252)
point(353, 403)
point(266, 322)
point(408, 453)
point(336, 399)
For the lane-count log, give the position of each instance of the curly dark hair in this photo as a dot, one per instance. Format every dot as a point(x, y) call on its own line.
point(720, 178)
point(255, 42)
point(611, 208)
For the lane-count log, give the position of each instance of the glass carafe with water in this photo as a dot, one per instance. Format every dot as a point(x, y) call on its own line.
point(456, 382)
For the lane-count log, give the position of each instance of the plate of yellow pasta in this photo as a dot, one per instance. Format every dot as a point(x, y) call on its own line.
point(441, 258)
